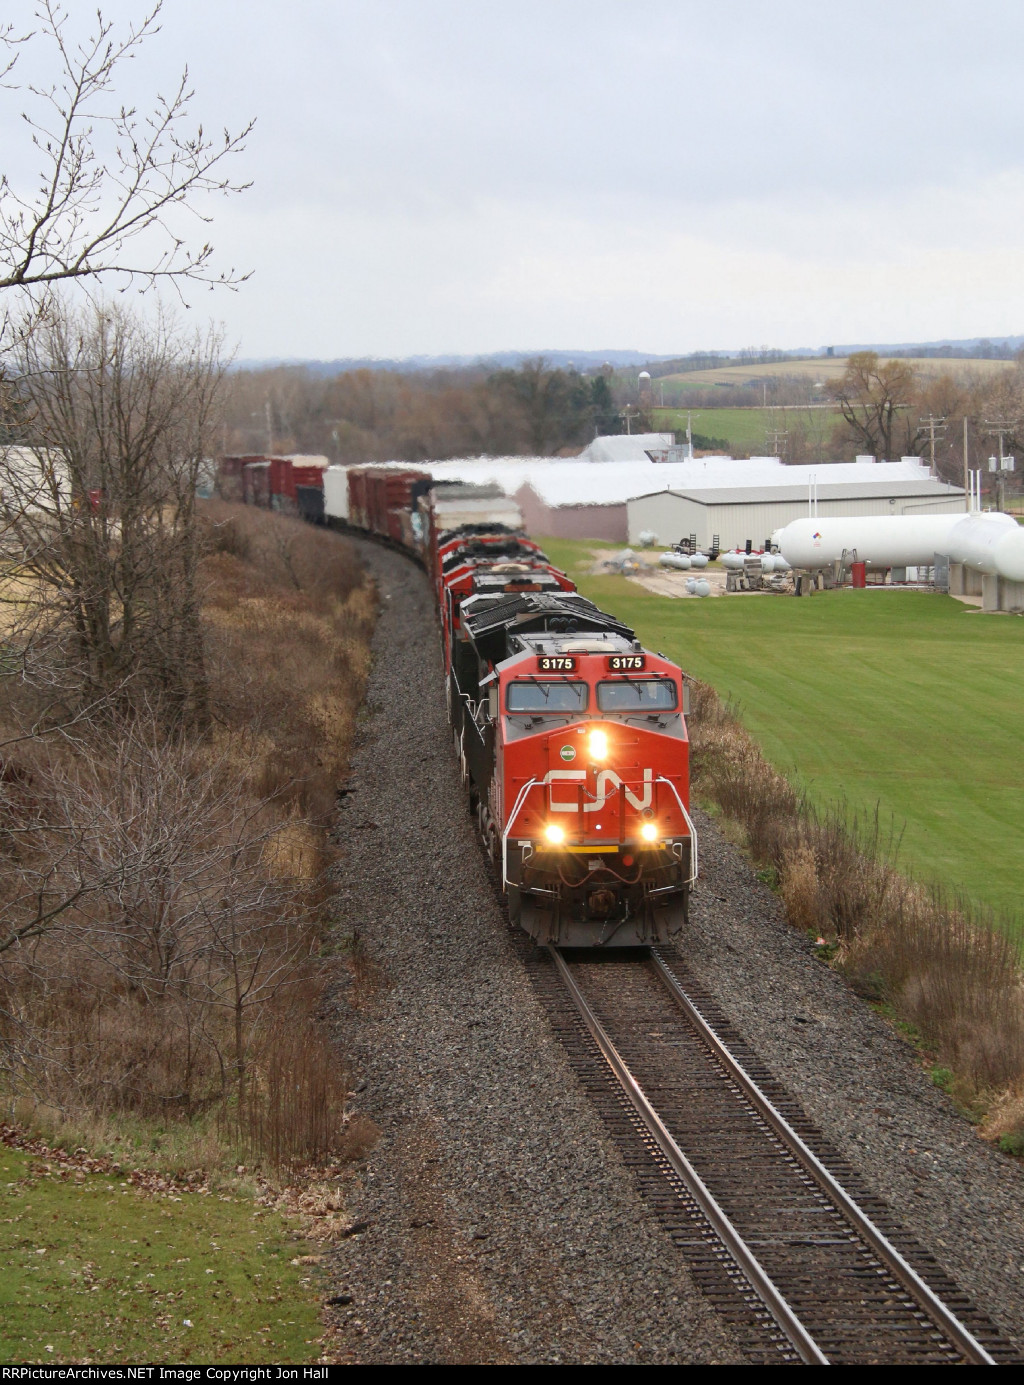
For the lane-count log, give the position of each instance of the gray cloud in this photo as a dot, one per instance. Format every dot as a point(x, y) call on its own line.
point(440, 174)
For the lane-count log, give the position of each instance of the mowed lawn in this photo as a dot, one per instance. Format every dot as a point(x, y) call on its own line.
point(907, 700)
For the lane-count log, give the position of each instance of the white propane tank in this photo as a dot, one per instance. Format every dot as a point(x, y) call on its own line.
point(779, 563)
point(699, 560)
point(767, 563)
point(703, 587)
point(880, 541)
point(732, 562)
point(691, 585)
point(675, 560)
point(981, 542)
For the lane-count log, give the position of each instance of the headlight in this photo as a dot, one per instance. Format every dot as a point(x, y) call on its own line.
point(554, 833)
point(598, 745)
point(649, 832)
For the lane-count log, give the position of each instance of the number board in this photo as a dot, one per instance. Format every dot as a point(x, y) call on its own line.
point(556, 663)
point(622, 663)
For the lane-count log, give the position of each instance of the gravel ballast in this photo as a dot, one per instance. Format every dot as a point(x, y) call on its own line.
point(859, 1082)
point(501, 1224)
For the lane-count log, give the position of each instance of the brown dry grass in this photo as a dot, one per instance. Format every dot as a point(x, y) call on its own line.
point(185, 986)
point(940, 966)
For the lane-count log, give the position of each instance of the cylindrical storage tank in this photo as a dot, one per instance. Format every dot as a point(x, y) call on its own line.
point(1009, 555)
point(699, 560)
point(767, 563)
point(679, 561)
point(880, 541)
point(703, 587)
point(732, 562)
point(859, 574)
point(988, 543)
point(691, 585)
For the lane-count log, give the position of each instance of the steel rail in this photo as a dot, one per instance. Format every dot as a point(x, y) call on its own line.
point(900, 1268)
point(760, 1281)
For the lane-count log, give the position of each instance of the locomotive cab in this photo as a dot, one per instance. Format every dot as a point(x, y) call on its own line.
point(592, 756)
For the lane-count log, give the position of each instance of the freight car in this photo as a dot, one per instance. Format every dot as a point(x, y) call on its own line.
point(570, 737)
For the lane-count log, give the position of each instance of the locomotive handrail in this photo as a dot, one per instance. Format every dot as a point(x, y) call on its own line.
point(689, 822)
point(506, 833)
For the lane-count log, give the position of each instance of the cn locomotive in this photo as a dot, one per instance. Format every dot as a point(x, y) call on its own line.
point(570, 737)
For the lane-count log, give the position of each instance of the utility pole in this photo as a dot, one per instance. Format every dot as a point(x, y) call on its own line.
point(935, 425)
point(999, 427)
point(270, 431)
point(967, 475)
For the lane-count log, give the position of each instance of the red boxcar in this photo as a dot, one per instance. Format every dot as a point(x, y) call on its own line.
point(380, 499)
point(256, 484)
point(229, 475)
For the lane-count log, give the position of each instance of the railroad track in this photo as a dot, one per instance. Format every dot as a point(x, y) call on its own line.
point(806, 1263)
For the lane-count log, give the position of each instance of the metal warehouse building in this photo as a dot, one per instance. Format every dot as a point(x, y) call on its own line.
point(738, 513)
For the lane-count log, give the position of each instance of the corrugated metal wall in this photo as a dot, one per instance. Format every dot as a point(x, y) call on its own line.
point(673, 517)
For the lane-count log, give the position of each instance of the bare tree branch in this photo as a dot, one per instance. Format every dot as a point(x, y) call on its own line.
point(108, 173)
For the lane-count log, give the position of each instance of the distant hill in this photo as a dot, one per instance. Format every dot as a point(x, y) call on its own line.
point(962, 348)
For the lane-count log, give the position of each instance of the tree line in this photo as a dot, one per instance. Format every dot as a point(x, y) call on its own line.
point(367, 415)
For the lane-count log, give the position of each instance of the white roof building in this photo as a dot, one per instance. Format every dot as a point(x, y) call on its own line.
point(626, 447)
point(577, 498)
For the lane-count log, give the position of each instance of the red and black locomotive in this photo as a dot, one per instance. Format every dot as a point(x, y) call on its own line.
point(570, 736)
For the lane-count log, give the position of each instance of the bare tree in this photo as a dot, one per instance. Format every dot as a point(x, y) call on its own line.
point(875, 399)
point(140, 889)
point(110, 176)
point(97, 509)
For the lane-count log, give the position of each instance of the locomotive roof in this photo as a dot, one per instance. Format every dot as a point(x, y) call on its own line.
point(603, 642)
point(491, 620)
point(469, 551)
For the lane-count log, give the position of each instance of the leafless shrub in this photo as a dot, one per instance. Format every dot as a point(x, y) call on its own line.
point(296, 1106)
point(163, 892)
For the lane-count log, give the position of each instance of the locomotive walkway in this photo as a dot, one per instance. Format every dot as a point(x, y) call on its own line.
point(806, 1265)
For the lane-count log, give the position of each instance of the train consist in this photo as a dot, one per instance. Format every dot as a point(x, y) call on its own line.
point(570, 736)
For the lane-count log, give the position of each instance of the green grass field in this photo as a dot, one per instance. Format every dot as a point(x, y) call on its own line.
point(93, 1270)
point(906, 700)
point(744, 429)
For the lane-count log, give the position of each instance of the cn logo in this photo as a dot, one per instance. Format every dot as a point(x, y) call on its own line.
point(607, 786)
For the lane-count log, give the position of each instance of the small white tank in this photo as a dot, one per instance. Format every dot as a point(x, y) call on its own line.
point(691, 585)
point(703, 587)
point(699, 560)
point(767, 563)
point(679, 561)
point(732, 562)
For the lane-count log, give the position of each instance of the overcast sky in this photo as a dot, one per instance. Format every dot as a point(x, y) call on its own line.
point(454, 176)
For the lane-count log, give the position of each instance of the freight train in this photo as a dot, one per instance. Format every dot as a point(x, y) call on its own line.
point(570, 736)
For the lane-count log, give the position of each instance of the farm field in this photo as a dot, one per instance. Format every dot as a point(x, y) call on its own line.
point(744, 429)
point(902, 699)
point(822, 368)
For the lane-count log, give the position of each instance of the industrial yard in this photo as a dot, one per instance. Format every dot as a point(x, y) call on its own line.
point(901, 699)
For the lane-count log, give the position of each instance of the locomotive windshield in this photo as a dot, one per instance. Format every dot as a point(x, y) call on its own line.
point(539, 696)
point(637, 695)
